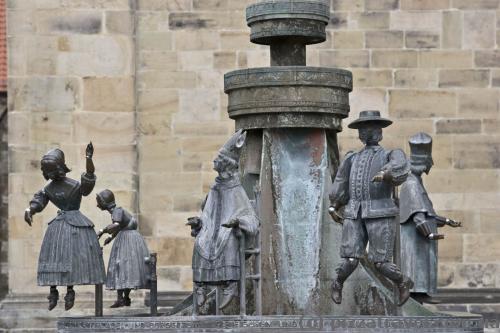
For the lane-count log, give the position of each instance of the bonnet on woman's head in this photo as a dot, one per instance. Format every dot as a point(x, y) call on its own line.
point(56, 155)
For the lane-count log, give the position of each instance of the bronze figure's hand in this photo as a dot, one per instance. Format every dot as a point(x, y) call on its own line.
point(194, 222)
point(234, 223)
point(100, 233)
point(435, 236)
point(334, 213)
point(28, 217)
point(89, 152)
point(453, 224)
point(108, 240)
point(379, 177)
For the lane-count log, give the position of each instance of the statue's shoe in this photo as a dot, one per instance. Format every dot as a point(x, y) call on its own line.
point(120, 302)
point(337, 292)
point(404, 290)
point(127, 301)
point(53, 298)
point(69, 300)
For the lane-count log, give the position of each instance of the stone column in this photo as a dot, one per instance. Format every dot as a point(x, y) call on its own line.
point(293, 113)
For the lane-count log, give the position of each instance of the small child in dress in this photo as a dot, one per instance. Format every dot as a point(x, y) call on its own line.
point(127, 268)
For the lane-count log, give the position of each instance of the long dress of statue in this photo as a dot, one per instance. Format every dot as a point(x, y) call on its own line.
point(70, 253)
point(127, 268)
point(419, 222)
point(364, 186)
point(227, 211)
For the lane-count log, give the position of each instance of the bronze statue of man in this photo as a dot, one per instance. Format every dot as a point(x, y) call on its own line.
point(227, 214)
point(363, 188)
point(419, 222)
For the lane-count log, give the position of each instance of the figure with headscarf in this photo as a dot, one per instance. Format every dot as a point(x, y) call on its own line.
point(227, 214)
point(419, 222)
point(70, 254)
point(127, 268)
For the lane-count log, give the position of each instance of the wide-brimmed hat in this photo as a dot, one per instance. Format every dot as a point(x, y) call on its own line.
point(370, 117)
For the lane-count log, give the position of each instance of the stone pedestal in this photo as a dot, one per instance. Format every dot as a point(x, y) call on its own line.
point(293, 113)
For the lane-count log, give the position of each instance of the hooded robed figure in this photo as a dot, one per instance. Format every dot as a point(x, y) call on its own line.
point(70, 253)
point(419, 222)
point(226, 212)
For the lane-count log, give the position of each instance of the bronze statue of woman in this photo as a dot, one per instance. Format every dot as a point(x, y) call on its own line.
point(70, 253)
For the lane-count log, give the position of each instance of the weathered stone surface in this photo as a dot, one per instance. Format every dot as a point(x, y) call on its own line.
point(475, 4)
point(120, 22)
point(164, 60)
point(381, 5)
point(476, 251)
point(422, 40)
point(450, 249)
point(108, 94)
point(196, 40)
point(69, 22)
point(370, 20)
point(96, 56)
point(464, 78)
point(421, 103)
point(169, 5)
point(344, 58)
point(348, 40)
point(491, 126)
point(452, 30)
point(394, 59)
point(372, 78)
point(445, 59)
point(416, 20)
point(44, 94)
point(104, 127)
point(446, 275)
point(338, 21)
point(475, 103)
point(155, 41)
point(490, 221)
point(415, 78)
point(475, 151)
point(424, 4)
point(347, 5)
point(479, 30)
point(224, 60)
point(166, 80)
point(389, 39)
point(487, 58)
point(458, 126)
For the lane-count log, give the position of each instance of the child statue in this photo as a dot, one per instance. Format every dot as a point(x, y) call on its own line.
point(419, 222)
point(127, 268)
point(227, 211)
point(70, 253)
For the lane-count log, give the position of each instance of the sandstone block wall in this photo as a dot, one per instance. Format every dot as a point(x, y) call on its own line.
point(71, 80)
point(144, 80)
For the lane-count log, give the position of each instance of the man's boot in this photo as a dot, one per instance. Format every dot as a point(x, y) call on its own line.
point(343, 270)
point(393, 273)
point(229, 292)
point(120, 301)
point(201, 294)
point(69, 299)
point(337, 291)
point(53, 298)
point(404, 288)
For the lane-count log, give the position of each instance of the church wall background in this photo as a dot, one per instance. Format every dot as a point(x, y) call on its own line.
point(143, 80)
